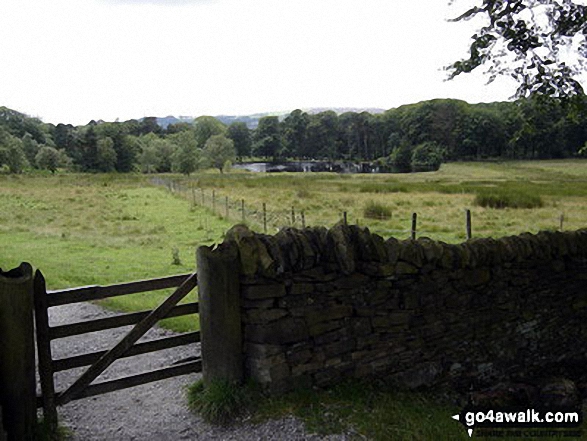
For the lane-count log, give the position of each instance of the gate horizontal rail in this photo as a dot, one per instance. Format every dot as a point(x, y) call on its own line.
point(127, 347)
point(118, 321)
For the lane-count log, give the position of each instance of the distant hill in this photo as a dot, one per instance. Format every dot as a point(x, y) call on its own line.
point(252, 121)
point(164, 122)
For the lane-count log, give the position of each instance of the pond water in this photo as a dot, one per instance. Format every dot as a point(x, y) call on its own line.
point(312, 166)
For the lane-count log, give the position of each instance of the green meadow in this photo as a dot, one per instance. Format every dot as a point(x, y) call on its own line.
point(101, 229)
point(504, 198)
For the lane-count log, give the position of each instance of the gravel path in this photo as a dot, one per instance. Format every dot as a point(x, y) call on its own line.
point(155, 411)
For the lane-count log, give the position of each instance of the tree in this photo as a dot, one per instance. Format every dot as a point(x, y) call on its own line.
point(241, 136)
point(30, 147)
point(427, 157)
point(268, 141)
point(187, 157)
point(528, 39)
point(323, 135)
point(12, 154)
point(148, 159)
point(106, 155)
point(218, 150)
point(205, 127)
point(48, 158)
point(295, 128)
point(401, 158)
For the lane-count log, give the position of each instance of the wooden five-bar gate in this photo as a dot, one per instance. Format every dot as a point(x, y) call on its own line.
point(126, 347)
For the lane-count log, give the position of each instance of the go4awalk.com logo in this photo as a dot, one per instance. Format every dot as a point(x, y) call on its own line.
point(521, 418)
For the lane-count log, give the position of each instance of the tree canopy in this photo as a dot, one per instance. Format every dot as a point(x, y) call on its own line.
point(540, 43)
point(410, 137)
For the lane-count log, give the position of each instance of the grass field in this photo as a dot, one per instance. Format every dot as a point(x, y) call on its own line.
point(439, 198)
point(101, 229)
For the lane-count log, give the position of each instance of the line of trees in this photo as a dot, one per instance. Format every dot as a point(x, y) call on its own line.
point(416, 136)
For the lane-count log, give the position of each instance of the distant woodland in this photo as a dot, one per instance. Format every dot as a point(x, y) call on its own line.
point(416, 135)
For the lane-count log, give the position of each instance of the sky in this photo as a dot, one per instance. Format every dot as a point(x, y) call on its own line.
point(71, 61)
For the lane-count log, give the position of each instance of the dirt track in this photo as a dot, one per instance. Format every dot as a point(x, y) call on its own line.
point(155, 411)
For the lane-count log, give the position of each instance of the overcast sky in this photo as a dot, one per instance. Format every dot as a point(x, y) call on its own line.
point(71, 61)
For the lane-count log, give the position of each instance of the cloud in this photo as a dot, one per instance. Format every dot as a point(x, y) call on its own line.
point(157, 2)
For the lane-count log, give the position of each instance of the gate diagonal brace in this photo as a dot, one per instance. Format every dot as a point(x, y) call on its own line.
point(127, 342)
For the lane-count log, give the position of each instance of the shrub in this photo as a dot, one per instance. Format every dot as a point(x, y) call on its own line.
point(375, 210)
point(504, 199)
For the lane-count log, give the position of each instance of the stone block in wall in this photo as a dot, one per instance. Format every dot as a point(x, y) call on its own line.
point(301, 288)
point(360, 326)
point(333, 336)
point(256, 292)
point(353, 281)
point(339, 347)
point(268, 370)
point(425, 374)
point(305, 368)
point(260, 304)
point(411, 251)
point(317, 274)
point(333, 312)
point(393, 249)
point(368, 341)
point(343, 248)
point(320, 328)
point(403, 268)
point(254, 350)
point(263, 316)
point(431, 249)
point(301, 356)
point(476, 277)
point(392, 319)
point(287, 330)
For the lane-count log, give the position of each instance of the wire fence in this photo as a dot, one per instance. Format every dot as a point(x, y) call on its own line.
point(261, 218)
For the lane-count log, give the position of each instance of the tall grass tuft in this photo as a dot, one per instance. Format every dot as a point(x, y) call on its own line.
point(220, 402)
point(507, 199)
point(375, 210)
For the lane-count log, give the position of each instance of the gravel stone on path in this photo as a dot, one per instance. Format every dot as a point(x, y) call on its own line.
point(154, 411)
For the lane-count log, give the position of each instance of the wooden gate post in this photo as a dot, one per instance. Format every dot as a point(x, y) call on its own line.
point(220, 317)
point(17, 353)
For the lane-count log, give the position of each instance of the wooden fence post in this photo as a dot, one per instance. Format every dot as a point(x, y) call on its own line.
point(243, 209)
point(220, 317)
point(468, 222)
point(414, 224)
point(17, 353)
point(213, 201)
point(303, 219)
point(562, 221)
point(226, 202)
point(264, 218)
point(344, 218)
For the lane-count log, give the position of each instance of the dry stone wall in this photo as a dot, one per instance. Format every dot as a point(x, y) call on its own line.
point(319, 305)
